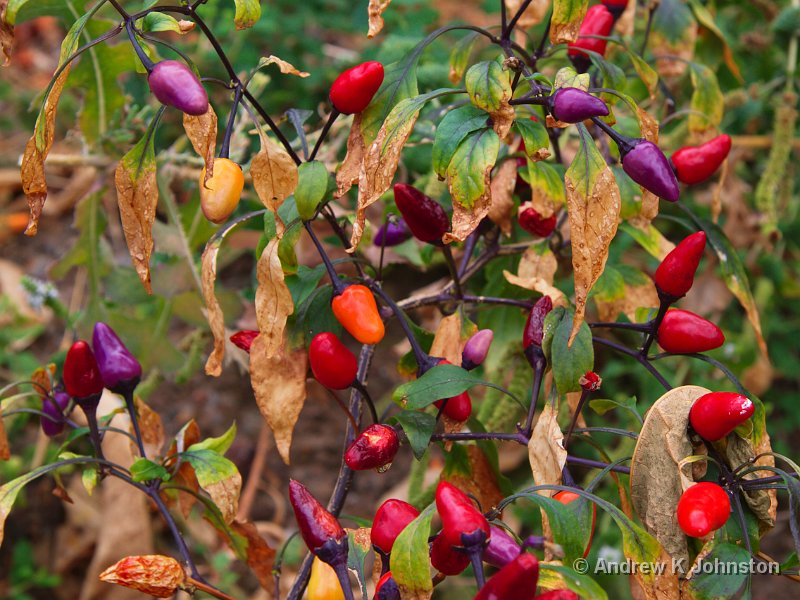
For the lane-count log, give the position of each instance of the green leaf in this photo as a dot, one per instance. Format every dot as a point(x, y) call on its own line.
point(712, 585)
point(568, 364)
point(459, 56)
point(442, 381)
point(571, 525)
point(650, 239)
point(451, 131)
point(146, 470)
point(247, 13)
point(356, 556)
point(311, 188)
point(219, 444)
point(158, 21)
point(545, 178)
point(568, 14)
point(418, 427)
point(89, 479)
point(410, 564)
point(569, 77)
point(610, 286)
point(286, 253)
point(488, 85)
point(399, 83)
point(707, 20)
point(553, 576)
point(603, 405)
point(645, 72)
point(534, 135)
point(468, 169)
point(315, 315)
point(707, 99)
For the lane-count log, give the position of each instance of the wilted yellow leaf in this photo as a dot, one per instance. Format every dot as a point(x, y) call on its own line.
point(274, 176)
point(273, 299)
point(638, 296)
point(536, 272)
point(374, 11)
point(347, 175)
point(202, 132)
point(546, 450)
point(566, 20)
point(216, 320)
point(286, 68)
point(448, 342)
point(154, 575)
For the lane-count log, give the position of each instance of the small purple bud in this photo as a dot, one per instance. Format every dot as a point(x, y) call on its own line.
point(392, 233)
point(476, 349)
point(54, 408)
point(502, 548)
point(647, 166)
point(119, 369)
point(573, 105)
point(175, 84)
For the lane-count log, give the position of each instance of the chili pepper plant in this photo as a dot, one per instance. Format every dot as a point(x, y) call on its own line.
point(528, 186)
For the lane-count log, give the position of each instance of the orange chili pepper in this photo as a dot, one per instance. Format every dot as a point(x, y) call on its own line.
point(356, 310)
point(220, 195)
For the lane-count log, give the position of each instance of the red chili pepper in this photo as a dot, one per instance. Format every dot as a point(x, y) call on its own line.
point(517, 580)
point(534, 223)
point(244, 339)
point(565, 498)
point(458, 408)
point(534, 327)
point(675, 275)
point(616, 8)
point(713, 416)
point(332, 363)
point(374, 448)
point(683, 332)
point(356, 310)
point(317, 526)
point(354, 89)
point(558, 595)
point(390, 519)
point(424, 216)
point(445, 559)
point(598, 21)
point(175, 84)
point(703, 508)
point(387, 588)
point(695, 164)
point(462, 523)
point(590, 381)
point(82, 377)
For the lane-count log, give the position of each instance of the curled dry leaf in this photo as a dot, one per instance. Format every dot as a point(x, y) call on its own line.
point(536, 272)
point(216, 320)
point(347, 175)
point(279, 384)
point(259, 556)
point(466, 220)
point(480, 481)
point(501, 211)
point(286, 68)
point(154, 575)
point(152, 429)
point(202, 132)
point(657, 482)
point(593, 203)
point(375, 9)
point(380, 162)
point(673, 57)
point(137, 198)
point(185, 477)
point(448, 342)
point(274, 176)
point(763, 503)
point(635, 296)
point(185, 26)
point(546, 450)
point(38, 147)
point(273, 299)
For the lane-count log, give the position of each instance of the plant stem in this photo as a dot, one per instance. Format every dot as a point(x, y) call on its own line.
point(94, 432)
point(225, 149)
point(538, 372)
point(451, 265)
point(584, 397)
point(654, 324)
point(148, 64)
point(338, 286)
point(208, 589)
point(643, 360)
point(641, 327)
point(648, 28)
point(324, 133)
point(594, 464)
point(362, 389)
point(130, 403)
point(468, 436)
point(507, 29)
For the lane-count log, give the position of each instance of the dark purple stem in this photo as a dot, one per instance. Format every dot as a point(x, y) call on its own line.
point(636, 355)
point(538, 372)
point(584, 397)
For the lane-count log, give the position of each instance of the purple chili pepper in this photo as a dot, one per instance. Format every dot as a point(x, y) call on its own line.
point(476, 349)
point(54, 408)
point(647, 166)
point(502, 548)
point(573, 105)
point(119, 369)
point(392, 233)
point(175, 84)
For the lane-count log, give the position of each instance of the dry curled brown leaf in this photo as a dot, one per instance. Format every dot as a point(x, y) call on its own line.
point(465, 220)
point(273, 299)
point(347, 175)
point(536, 272)
point(546, 449)
point(260, 556)
point(481, 482)
point(6, 34)
point(448, 341)
point(152, 429)
point(202, 132)
point(188, 435)
point(638, 296)
point(286, 68)
point(375, 9)
point(739, 451)
point(279, 384)
point(216, 320)
point(501, 212)
point(155, 575)
point(274, 176)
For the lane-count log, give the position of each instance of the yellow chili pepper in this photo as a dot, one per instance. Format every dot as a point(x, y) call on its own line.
point(323, 584)
point(220, 195)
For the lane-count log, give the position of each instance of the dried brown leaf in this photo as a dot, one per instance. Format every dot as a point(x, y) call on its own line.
point(216, 320)
point(739, 451)
point(225, 495)
point(656, 480)
point(137, 198)
point(34, 183)
point(374, 11)
point(274, 176)
point(155, 575)
point(448, 342)
point(273, 299)
point(466, 220)
point(481, 482)
point(639, 296)
point(260, 556)
point(672, 59)
point(151, 427)
point(185, 477)
point(533, 15)
point(536, 272)
point(501, 212)
point(6, 34)
point(347, 175)
point(286, 68)
point(380, 165)
point(546, 450)
point(503, 118)
point(202, 132)
point(279, 384)
point(593, 224)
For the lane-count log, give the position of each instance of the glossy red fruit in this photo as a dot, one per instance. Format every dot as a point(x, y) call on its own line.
point(683, 332)
point(82, 377)
point(558, 595)
point(244, 339)
point(446, 560)
point(695, 164)
point(566, 497)
point(424, 216)
point(316, 524)
point(332, 363)
point(517, 580)
point(354, 89)
point(534, 327)
point(534, 223)
point(590, 381)
point(387, 588)
point(703, 508)
point(462, 523)
point(374, 448)
point(458, 408)
point(675, 275)
point(622, 3)
point(390, 519)
point(713, 416)
point(598, 21)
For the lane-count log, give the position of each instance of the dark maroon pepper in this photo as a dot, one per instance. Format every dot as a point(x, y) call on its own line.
point(374, 448)
point(317, 526)
point(424, 216)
